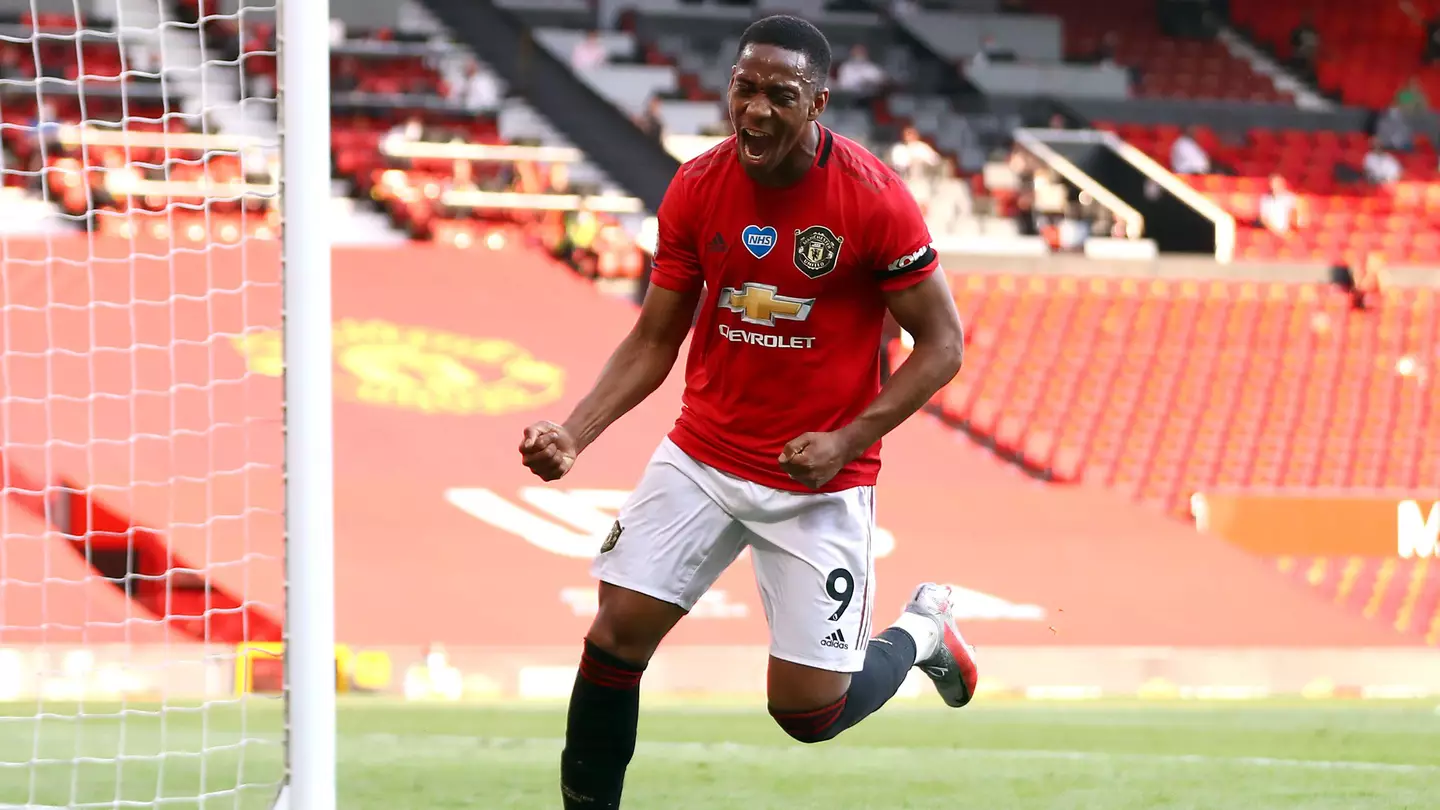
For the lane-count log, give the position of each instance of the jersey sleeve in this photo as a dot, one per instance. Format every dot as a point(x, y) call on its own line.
point(903, 252)
point(677, 265)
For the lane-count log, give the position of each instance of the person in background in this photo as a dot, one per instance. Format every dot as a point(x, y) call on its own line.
point(478, 90)
point(1187, 156)
point(650, 121)
point(912, 158)
point(346, 76)
point(589, 53)
point(1305, 46)
point(410, 130)
point(1393, 131)
point(860, 77)
point(1367, 280)
point(1431, 52)
point(1430, 49)
point(991, 51)
point(1381, 167)
point(1279, 209)
point(1411, 98)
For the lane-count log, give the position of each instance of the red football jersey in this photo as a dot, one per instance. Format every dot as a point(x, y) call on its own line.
point(788, 336)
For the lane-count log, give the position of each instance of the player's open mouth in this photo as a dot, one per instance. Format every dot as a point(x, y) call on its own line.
point(754, 144)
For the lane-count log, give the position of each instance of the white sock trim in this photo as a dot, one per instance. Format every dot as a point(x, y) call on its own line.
point(925, 631)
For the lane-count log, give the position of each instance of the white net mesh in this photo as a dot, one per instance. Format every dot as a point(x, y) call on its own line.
point(141, 542)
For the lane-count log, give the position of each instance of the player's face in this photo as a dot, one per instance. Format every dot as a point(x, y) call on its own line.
point(772, 102)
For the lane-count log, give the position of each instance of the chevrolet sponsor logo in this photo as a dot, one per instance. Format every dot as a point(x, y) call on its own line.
point(763, 304)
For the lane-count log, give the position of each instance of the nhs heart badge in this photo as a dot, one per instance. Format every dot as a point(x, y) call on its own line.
point(759, 241)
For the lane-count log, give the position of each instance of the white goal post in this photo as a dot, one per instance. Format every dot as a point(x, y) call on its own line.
point(309, 448)
point(167, 594)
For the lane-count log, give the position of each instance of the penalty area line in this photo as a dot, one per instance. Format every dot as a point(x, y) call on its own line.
point(711, 751)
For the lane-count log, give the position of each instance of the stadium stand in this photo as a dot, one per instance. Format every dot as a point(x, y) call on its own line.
point(1128, 33)
point(1362, 58)
point(1242, 384)
point(1342, 215)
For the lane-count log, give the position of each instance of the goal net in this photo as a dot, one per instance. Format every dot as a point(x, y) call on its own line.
point(142, 518)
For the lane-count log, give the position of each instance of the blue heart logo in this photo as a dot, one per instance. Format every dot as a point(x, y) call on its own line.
point(759, 241)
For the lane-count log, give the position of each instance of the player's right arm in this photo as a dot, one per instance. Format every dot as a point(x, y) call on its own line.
point(643, 359)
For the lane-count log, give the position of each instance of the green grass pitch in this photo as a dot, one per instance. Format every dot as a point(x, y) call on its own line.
point(1003, 755)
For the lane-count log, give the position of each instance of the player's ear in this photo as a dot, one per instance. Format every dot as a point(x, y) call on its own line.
point(819, 103)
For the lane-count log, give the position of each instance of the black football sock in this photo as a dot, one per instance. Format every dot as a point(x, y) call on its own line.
point(888, 660)
point(600, 731)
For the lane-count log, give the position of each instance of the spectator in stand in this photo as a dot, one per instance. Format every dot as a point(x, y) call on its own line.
point(860, 77)
point(902, 9)
point(1105, 49)
point(1381, 167)
point(991, 51)
point(1305, 46)
point(462, 179)
point(1431, 54)
point(1367, 280)
point(1411, 98)
point(912, 158)
point(1051, 195)
point(346, 76)
point(411, 130)
point(589, 53)
point(478, 90)
point(1187, 156)
point(1279, 210)
point(1022, 166)
point(650, 121)
point(1074, 228)
point(10, 66)
point(46, 128)
point(1393, 131)
point(948, 199)
point(1430, 50)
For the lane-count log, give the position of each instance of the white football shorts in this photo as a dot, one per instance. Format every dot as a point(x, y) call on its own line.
point(813, 553)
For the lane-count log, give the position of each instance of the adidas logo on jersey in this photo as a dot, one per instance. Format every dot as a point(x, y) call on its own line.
point(836, 640)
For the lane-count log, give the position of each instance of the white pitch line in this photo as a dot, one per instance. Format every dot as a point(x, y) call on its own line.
point(709, 750)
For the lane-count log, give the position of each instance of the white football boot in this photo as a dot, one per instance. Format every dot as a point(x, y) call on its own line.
point(952, 667)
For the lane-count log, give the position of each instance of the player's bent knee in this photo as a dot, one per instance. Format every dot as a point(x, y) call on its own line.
point(816, 726)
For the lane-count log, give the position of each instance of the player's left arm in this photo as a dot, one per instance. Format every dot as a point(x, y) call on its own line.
point(909, 278)
point(926, 310)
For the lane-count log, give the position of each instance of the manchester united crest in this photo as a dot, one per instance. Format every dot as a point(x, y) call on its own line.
point(817, 249)
point(612, 538)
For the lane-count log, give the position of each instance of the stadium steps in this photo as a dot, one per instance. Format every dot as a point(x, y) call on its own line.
point(1242, 48)
point(209, 86)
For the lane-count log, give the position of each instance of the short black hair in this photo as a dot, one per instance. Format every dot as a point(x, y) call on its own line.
point(792, 34)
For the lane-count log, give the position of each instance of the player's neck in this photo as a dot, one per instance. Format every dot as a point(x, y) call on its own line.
point(796, 164)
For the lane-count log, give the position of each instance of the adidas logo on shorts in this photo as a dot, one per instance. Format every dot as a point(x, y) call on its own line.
point(836, 640)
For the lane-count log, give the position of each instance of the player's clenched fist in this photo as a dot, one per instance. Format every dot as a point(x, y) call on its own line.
point(548, 450)
point(814, 458)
